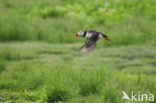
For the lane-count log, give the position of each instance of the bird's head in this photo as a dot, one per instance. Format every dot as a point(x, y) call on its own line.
point(80, 33)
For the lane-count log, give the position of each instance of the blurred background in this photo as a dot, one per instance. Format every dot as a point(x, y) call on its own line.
point(40, 60)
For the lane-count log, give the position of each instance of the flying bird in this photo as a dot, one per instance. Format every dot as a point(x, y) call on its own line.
point(92, 37)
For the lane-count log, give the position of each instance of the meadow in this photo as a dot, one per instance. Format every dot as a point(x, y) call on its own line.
point(40, 60)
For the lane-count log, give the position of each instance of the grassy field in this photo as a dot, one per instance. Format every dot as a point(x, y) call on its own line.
point(40, 72)
point(126, 22)
point(40, 60)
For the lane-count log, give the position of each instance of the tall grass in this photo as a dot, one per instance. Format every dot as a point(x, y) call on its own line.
point(2, 65)
point(56, 73)
point(125, 22)
point(53, 75)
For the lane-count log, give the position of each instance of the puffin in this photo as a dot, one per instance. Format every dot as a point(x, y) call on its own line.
point(92, 37)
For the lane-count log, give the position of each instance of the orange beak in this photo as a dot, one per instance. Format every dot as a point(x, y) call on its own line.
point(107, 39)
point(76, 34)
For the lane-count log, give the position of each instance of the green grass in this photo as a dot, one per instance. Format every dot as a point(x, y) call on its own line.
point(125, 22)
point(59, 73)
point(40, 60)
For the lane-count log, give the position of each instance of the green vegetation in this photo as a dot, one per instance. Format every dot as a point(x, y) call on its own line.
point(126, 22)
point(51, 74)
point(40, 60)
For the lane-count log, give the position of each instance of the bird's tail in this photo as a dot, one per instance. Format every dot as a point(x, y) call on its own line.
point(105, 37)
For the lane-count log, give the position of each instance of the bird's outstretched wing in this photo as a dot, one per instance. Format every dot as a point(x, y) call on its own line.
point(90, 44)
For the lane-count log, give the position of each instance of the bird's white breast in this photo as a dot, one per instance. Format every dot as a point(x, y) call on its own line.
point(88, 35)
point(100, 36)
